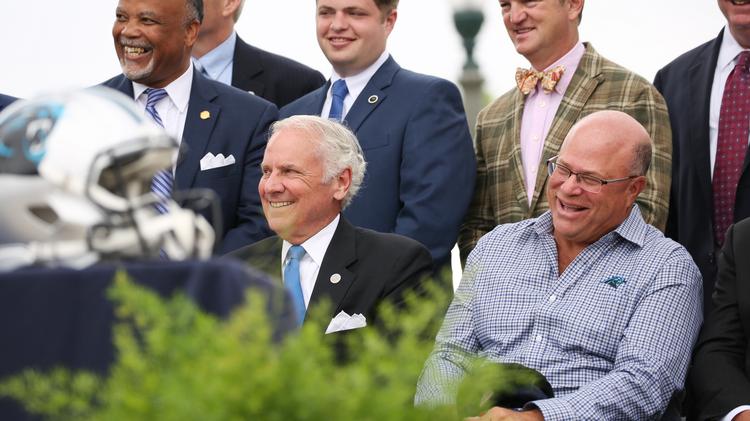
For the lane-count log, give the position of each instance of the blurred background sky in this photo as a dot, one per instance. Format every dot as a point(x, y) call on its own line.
point(51, 45)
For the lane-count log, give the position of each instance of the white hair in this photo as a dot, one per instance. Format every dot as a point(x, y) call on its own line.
point(337, 146)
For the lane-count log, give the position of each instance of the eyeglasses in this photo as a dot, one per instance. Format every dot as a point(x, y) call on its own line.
point(590, 183)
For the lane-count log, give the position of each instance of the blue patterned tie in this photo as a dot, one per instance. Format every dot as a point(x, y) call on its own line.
point(162, 182)
point(338, 93)
point(292, 282)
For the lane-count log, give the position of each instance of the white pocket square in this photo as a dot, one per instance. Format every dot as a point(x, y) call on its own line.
point(210, 161)
point(343, 321)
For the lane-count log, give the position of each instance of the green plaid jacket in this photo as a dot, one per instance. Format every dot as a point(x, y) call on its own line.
point(598, 84)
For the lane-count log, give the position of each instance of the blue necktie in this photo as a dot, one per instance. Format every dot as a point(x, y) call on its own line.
point(338, 93)
point(198, 65)
point(292, 281)
point(162, 182)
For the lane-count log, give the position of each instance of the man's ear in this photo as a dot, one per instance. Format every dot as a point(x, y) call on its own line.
point(636, 187)
point(191, 33)
point(342, 182)
point(390, 20)
point(230, 7)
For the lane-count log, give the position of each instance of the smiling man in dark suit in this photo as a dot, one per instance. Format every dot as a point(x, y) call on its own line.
point(228, 59)
point(312, 169)
point(412, 128)
point(221, 130)
point(695, 86)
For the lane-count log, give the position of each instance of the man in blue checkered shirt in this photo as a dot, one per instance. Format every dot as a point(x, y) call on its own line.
point(588, 294)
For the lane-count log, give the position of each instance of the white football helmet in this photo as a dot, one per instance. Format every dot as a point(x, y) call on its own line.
point(75, 176)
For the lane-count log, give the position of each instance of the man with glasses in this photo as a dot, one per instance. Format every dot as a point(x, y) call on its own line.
point(579, 293)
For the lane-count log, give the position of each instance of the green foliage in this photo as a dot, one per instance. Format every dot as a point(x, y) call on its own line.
point(175, 362)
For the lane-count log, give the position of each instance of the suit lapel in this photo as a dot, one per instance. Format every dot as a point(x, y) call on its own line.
point(372, 96)
point(341, 253)
point(519, 184)
point(699, 91)
point(247, 65)
point(585, 80)
point(122, 84)
point(202, 114)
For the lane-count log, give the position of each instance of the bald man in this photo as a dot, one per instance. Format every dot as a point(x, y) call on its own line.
point(579, 293)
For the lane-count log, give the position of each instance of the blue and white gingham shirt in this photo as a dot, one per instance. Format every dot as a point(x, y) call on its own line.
point(613, 334)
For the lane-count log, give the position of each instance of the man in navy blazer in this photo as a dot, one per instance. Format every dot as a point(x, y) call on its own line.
point(229, 59)
point(221, 130)
point(412, 128)
point(5, 100)
point(693, 86)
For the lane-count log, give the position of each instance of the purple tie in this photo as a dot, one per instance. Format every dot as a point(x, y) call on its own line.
point(734, 129)
point(162, 182)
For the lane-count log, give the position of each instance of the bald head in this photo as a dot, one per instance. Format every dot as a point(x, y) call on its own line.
point(616, 135)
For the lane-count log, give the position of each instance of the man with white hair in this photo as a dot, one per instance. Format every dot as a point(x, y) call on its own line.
point(312, 168)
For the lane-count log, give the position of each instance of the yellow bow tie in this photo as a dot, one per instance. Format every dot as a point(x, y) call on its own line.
point(526, 79)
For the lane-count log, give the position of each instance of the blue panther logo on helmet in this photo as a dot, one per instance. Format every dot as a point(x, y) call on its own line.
point(23, 135)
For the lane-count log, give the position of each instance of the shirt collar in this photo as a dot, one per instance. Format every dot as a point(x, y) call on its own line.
point(356, 83)
point(215, 61)
point(570, 61)
point(178, 90)
point(632, 229)
point(316, 245)
point(729, 50)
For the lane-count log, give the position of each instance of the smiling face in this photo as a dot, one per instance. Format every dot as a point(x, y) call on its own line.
point(738, 19)
point(296, 202)
point(352, 33)
point(153, 40)
point(606, 149)
point(542, 30)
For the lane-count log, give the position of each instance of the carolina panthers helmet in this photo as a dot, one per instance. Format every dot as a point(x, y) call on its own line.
point(75, 172)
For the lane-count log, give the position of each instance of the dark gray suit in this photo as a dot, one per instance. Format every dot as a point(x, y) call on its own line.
point(373, 267)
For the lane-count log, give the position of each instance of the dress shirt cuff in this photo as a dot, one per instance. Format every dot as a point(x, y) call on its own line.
point(735, 411)
point(554, 409)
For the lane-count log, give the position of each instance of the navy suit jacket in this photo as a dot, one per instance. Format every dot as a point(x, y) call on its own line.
point(685, 84)
point(236, 124)
point(373, 267)
point(419, 153)
point(271, 76)
point(5, 100)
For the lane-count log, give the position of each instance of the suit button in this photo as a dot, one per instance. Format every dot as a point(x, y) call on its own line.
point(711, 258)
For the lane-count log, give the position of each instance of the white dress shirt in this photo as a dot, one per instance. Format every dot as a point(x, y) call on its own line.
point(315, 249)
point(726, 61)
point(356, 84)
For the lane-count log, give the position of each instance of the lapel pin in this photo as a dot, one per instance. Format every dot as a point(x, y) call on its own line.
point(372, 99)
point(205, 115)
point(335, 278)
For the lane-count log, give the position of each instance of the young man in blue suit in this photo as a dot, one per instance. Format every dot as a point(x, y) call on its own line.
point(412, 128)
point(221, 130)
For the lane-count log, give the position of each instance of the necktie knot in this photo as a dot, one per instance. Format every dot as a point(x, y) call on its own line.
point(338, 93)
point(154, 95)
point(296, 252)
point(526, 79)
point(743, 60)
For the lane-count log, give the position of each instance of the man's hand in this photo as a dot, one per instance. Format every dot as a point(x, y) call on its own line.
point(503, 414)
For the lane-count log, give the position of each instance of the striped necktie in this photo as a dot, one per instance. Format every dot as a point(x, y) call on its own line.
point(161, 184)
point(292, 281)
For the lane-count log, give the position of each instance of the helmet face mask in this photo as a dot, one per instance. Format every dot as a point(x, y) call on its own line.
point(82, 164)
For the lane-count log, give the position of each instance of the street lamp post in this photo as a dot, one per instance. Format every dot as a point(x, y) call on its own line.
point(468, 18)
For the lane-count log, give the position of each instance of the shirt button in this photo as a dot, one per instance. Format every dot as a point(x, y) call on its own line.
point(552, 298)
point(535, 138)
point(542, 104)
point(538, 338)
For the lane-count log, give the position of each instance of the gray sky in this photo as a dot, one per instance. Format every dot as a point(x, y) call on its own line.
point(51, 45)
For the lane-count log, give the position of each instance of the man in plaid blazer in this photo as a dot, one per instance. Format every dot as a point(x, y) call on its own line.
point(517, 133)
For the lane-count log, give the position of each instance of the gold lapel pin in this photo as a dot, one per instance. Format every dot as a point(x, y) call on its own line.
point(372, 99)
point(335, 278)
point(205, 115)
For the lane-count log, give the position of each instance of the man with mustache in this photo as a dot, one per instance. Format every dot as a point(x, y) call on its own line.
point(221, 130)
point(518, 132)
